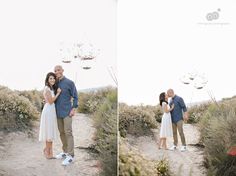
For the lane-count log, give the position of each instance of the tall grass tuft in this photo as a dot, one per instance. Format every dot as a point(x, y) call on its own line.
point(102, 106)
point(218, 134)
point(89, 101)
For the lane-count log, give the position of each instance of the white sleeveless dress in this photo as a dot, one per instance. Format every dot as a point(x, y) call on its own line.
point(166, 123)
point(48, 124)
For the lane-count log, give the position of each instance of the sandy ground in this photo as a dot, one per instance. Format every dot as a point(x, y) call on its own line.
point(189, 163)
point(22, 155)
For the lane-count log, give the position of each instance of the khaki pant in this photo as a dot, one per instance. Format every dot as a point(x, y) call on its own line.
point(65, 129)
point(179, 126)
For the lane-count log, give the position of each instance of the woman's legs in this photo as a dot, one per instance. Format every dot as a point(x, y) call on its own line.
point(46, 150)
point(160, 143)
point(50, 150)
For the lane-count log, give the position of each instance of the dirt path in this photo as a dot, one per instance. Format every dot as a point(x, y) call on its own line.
point(187, 163)
point(22, 155)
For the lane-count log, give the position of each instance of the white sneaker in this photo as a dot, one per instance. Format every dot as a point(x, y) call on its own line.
point(183, 148)
point(61, 155)
point(173, 148)
point(69, 159)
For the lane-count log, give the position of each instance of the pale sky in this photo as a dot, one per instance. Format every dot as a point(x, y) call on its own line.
point(159, 41)
point(31, 33)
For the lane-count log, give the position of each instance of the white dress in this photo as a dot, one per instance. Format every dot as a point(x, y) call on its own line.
point(166, 123)
point(48, 124)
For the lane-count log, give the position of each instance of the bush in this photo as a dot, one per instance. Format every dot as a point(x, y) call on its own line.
point(218, 134)
point(136, 120)
point(131, 163)
point(16, 112)
point(197, 112)
point(156, 110)
point(106, 135)
point(84, 102)
point(89, 101)
point(34, 96)
point(102, 106)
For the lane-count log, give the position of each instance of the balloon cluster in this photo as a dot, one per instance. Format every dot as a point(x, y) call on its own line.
point(86, 52)
point(197, 80)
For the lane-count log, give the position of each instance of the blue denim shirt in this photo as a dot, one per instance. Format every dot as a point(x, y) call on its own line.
point(63, 102)
point(180, 107)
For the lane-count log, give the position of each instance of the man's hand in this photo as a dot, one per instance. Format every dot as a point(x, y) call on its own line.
point(185, 116)
point(72, 112)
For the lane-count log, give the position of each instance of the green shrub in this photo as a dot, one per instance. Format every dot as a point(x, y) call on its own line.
point(89, 101)
point(197, 112)
point(218, 134)
point(83, 102)
point(162, 167)
point(135, 120)
point(34, 96)
point(156, 110)
point(102, 106)
point(106, 135)
point(16, 112)
point(131, 163)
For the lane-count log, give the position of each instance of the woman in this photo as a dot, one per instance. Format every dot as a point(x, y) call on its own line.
point(166, 123)
point(48, 124)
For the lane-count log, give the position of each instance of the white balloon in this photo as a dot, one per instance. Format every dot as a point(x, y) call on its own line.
point(87, 51)
point(192, 75)
point(185, 79)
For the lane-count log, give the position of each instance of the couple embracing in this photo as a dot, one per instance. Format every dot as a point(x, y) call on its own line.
point(61, 100)
point(174, 114)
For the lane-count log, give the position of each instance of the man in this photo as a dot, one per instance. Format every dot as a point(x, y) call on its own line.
point(65, 111)
point(178, 114)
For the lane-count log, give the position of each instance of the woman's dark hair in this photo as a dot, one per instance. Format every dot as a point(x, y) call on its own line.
point(54, 87)
point(162, 98)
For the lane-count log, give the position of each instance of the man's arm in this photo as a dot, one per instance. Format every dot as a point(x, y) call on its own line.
point(74, 95)
point(183, 106)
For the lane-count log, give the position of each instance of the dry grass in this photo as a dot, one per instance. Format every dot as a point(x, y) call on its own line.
point(136, 120)
point(102, 106)
point(218, 134)
point(16, 112)
point(131, 163)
